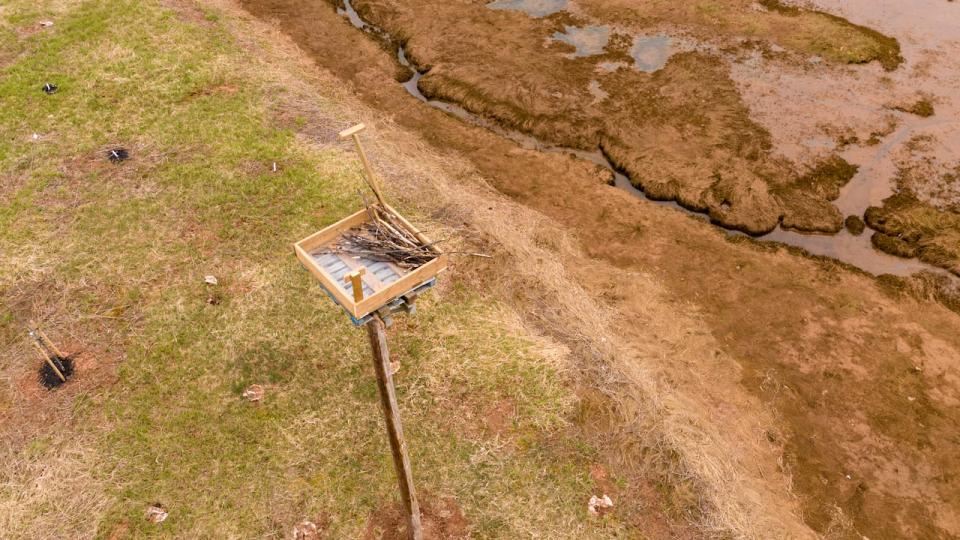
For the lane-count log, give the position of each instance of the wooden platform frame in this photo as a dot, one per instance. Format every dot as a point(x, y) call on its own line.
point(382, 295)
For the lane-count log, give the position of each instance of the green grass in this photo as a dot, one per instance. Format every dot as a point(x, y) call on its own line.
point(114, 256)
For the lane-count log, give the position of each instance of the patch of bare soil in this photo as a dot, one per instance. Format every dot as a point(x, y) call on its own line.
point(188, 11)
point(30, 30)
point(441, 519)
point(498, 418)
point(832, 354)
point(27, 407)
point(120, 532)
point(133, 174)
point(33, 408)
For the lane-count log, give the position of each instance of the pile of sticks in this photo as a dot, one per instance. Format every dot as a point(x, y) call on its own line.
point(385, 239)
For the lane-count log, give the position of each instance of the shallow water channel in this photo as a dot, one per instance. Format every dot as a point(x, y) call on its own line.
point(650, 54)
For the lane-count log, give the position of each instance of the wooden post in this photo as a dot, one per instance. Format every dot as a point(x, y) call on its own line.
point(354, 133)
point(391, 413)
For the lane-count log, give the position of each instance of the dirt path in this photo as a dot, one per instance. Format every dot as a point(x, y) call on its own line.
point(863, 380)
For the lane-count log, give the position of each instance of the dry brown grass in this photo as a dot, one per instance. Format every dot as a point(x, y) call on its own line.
point(41, 496)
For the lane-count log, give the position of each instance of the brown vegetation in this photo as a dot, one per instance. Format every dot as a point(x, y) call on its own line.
point(681, 133)
point(909, 227)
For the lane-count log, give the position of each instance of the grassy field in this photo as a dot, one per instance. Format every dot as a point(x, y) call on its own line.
point(111, 259)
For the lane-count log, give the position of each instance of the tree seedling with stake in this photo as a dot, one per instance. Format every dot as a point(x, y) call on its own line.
point(57, 367)
point(118, 155)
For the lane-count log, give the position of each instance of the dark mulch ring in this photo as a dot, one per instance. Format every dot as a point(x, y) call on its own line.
point(49, 378)
point(118, 155)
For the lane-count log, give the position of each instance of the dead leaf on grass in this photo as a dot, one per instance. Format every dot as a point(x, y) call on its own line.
point(599, 506)
point(156, 513)
point(254, 393)
point(306, 530)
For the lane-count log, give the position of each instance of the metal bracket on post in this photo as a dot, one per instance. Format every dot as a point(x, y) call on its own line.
point(404, 304)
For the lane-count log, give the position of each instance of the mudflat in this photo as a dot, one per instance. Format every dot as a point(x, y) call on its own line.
point(663, 108)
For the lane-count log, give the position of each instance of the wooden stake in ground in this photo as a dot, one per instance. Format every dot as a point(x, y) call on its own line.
point(391, 412)
point(40, 338)
point(49, 361)
point(47, 341)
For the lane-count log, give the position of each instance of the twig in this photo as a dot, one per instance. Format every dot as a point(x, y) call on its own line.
point(470, 254)
point(384, 238)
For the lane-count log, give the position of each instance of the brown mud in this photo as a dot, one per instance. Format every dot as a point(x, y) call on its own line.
point(862, 378)
point(901, 127)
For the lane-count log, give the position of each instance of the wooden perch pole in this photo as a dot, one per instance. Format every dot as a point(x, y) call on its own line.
point(372, 181)
point(391, 412)
point(355, 279)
